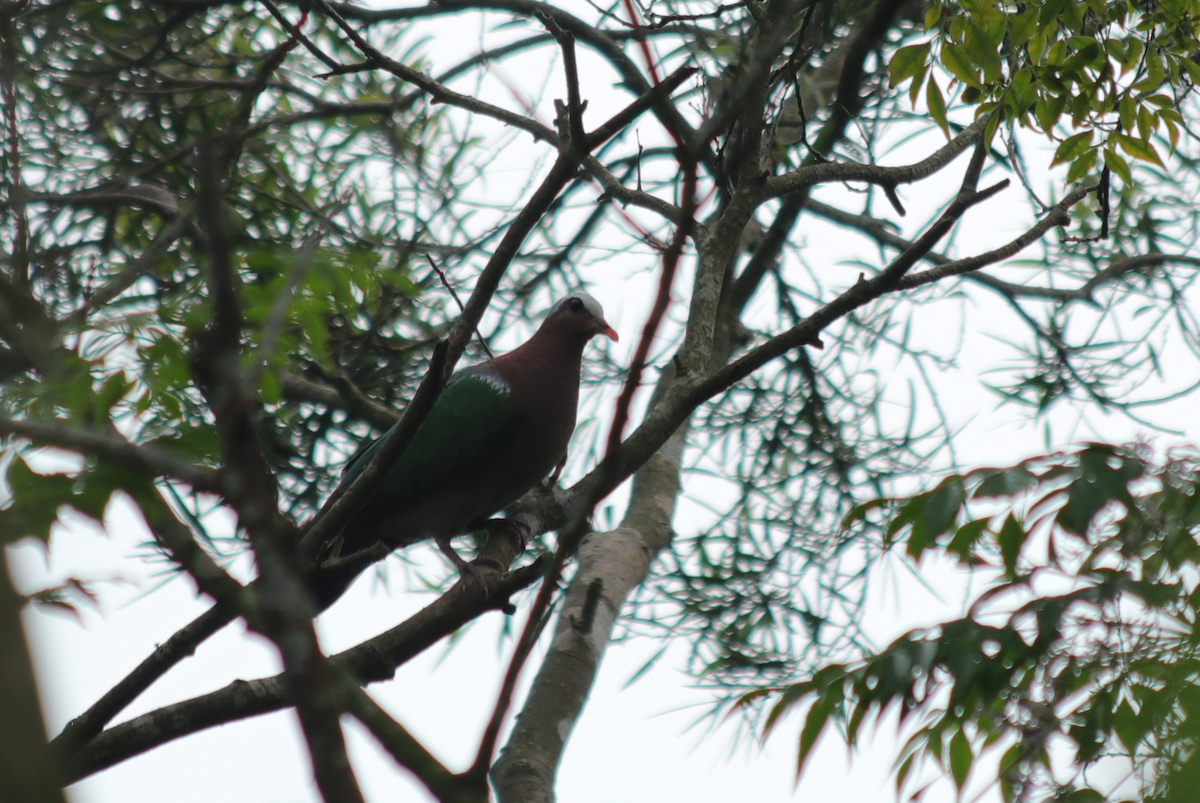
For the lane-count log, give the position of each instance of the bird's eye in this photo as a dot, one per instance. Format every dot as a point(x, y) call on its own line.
point(575, 305)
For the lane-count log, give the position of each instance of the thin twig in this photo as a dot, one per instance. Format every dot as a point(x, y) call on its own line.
point(297, 35)
point(454, 294)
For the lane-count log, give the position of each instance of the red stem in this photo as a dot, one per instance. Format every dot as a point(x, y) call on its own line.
point(646, 54)
point(661, 301)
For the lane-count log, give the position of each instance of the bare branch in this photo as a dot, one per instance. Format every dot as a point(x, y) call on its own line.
point(829, 172)
point(284, 612)
point(436, 90)
point(454, 294)
point(1058, 215)
point(81, 730)
point(372, 661)
point(604, 42)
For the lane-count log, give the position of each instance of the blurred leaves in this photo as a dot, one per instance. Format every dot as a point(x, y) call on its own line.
point(113, 100)
point(1105, 665)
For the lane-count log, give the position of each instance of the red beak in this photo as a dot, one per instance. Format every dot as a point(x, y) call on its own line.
point(607, 331)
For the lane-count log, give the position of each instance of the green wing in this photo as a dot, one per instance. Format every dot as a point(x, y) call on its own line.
point(470, 422)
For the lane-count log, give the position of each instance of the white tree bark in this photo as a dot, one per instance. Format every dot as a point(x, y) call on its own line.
point(611, 566)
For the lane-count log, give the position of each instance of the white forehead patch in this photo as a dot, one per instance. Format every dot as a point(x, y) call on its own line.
point(589, 303)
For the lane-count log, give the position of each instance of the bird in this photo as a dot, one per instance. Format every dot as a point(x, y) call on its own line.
point(497, 430)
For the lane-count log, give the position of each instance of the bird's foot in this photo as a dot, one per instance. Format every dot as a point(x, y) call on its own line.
point(467, 572)
point(503, 536)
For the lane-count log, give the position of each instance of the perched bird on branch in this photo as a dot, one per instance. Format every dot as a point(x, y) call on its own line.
point(497, 430)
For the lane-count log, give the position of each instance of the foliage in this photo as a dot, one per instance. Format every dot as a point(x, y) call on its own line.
point(109, 135)
point(1084, 647)
point(1116, 71)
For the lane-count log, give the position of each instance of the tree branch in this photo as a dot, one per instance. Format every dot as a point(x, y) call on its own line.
point(283, 612)
point(372, 661)
point(300, 388)
point(603, 42)
point(31, 772)
point(829, 172)
point(145, 459)
point(407, 751)
point(1058, 215)
point(439, 92)
point(81, 730)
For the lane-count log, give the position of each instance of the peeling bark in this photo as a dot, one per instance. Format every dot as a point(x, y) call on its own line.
point(611, 566)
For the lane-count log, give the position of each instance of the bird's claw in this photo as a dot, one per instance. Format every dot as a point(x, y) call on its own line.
point(465, 570)
point(469, 572)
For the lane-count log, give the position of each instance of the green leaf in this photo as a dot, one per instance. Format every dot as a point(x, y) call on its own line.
point(1072, 148)
point(1133, 55)
point(1127, 110)
point(960, 759)
point(1003, 482)
point(942, 506)
point(859, 512)
point(1139, 149)
point(111, 392)
point(1048, 110)
point(1088, 53)
point(1114, 162)
point(1037, 45)
point(1129, 727)
point(907, 62)
point(933, 15)
point(814, 726)
point(957, 60)
point(985, 52)
point(1022, 26)
point(963, 542)
point(1011, 538)
point(1008, 772)
point(918, 81)
point(1172, 133)
point(1082, 166)
point(1145, 123)
point(1072, 15)
point(902, 773)
point(36, 500)
point(1192, 68)
point(937, 105)
point(196, 443)
point(315, 331)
